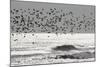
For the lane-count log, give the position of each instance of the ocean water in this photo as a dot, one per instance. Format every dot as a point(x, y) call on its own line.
point(37, 48)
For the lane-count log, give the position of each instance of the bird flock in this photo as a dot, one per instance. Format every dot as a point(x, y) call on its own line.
point(51, 20)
